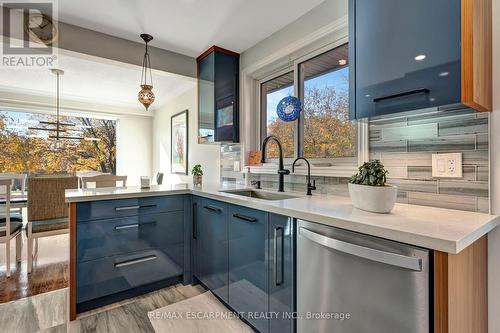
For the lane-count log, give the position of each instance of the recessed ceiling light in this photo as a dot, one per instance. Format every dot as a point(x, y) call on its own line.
point(432, 99)
point(420, 57)
point(444, 73)
point(342, 62)
point(368, 95)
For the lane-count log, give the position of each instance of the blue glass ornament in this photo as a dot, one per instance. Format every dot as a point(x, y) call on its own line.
point(289, 108)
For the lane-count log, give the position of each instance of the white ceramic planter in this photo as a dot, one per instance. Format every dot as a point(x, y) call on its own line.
point(376, 199)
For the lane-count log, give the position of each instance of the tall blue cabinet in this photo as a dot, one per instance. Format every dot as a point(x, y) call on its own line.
point(218, 96)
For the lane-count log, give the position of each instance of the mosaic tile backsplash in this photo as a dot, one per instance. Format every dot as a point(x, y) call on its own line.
point(405, 144)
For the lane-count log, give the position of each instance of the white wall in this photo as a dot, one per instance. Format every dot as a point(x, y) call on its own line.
point(134, 142)
point(313, 21)
point(206, 155)
point(494, 236)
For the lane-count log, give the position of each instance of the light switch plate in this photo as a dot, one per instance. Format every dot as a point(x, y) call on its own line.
point(447, 165)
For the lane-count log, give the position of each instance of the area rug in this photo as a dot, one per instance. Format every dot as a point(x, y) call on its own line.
point(200, 314)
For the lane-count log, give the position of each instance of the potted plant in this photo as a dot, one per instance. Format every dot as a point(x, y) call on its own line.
point(369, 191)
point(197, 175)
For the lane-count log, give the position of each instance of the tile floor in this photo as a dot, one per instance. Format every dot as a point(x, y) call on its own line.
point(47, 312)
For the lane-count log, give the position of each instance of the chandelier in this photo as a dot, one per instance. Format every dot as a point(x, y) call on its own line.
point(57, 129)
point(146, 96)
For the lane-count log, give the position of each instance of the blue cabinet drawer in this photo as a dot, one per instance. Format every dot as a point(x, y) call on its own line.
point(128, 207)
point(109, 237)
point(110, 275)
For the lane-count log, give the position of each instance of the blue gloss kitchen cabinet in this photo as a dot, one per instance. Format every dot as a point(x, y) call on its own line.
point(281, 239)
point(246, 257)
point(128, 247)
point(212, 246)
point(409, 55)
point(248, 264)
point(218, 96)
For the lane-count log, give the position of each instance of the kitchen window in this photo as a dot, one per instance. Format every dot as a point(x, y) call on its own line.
point(25, 150)
point(324, 130)
point(272, 92)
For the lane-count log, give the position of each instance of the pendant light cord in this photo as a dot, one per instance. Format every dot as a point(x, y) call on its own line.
point(146, 64)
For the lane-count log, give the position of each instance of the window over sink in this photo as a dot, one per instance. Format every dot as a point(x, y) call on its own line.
point(323, 132)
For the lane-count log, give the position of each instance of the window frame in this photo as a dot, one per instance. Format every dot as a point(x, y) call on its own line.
point(334, 163)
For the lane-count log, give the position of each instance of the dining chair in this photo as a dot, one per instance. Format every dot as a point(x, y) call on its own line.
point(104, 181)
point(47, 209)
point(19, 199)
point(87, 173)
point(10, 226)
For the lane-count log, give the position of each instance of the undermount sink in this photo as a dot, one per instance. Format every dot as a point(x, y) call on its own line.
point(261, 194)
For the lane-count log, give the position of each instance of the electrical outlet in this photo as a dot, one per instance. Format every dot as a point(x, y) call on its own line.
point(447, 165)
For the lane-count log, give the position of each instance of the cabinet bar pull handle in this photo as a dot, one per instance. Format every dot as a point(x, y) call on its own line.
point(213, 208)
point(133, 207)
point(127, 226)
point(135, 261)
point(403, 94)
point(195, 220)
point(278, 258)
point(245, 218)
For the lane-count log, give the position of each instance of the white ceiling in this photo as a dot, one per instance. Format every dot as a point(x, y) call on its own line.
point(187, 26)
point(94, 81)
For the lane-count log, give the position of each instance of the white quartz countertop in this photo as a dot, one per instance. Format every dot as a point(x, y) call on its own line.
point(438, 229)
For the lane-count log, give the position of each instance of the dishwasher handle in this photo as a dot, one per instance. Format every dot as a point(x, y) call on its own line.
point(394, 259)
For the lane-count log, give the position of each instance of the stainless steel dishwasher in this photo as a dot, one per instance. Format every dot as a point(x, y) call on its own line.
point(353, 283)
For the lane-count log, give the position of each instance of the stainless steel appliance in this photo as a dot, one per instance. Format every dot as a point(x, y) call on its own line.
point(353, 283)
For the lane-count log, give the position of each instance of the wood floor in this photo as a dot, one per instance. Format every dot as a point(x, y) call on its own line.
point(50, 269)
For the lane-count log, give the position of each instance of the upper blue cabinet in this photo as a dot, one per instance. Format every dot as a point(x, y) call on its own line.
point(414, 54)
point(218, 93)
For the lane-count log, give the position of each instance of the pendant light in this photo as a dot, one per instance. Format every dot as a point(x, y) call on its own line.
point(59, 131)
point(146, 96)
